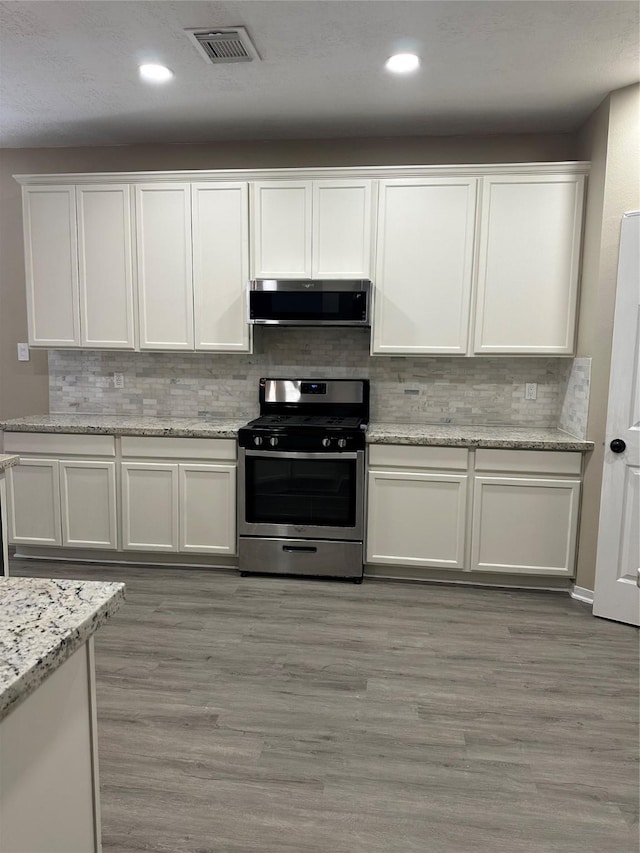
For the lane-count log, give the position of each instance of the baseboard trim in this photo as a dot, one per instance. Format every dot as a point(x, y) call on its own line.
point(580, 593)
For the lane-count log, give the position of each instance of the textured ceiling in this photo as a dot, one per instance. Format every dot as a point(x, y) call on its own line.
point(68, 70)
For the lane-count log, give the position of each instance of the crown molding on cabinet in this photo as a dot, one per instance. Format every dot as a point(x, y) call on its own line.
point(578, 167)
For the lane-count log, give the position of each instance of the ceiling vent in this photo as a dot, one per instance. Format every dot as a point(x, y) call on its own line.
point(225, 44)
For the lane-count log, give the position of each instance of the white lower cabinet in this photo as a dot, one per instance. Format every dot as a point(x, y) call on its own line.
point(417, 516)
point(522, 517)
point(525, 511)
point(175, 505)
point(149, 506)
point(59, 494)
point(525, 525)
point(208, 509)
point(88, 497)
point(33, 490)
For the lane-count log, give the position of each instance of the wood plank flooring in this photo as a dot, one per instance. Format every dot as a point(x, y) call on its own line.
point(300, 716)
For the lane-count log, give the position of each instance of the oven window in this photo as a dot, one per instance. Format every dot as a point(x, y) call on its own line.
point(301, 491)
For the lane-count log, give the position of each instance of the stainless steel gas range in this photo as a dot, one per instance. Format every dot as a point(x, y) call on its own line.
point(301, 479)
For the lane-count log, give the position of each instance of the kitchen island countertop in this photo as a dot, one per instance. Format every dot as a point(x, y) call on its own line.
point(43, 623)
point(499, 437)
point(7, 460)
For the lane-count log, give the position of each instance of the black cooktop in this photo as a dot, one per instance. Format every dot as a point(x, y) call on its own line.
point(305, 422)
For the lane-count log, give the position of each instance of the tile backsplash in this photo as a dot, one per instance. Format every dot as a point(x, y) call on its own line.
point(575, 405)
point(462, 391)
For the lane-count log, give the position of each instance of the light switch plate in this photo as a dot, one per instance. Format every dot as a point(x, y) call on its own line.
point(23, 352)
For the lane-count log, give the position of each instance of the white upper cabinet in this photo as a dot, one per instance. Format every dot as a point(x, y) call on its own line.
point(282, 229)
point(51, 265)
point(464, 260)
point(165, 282)
point(105, 266)
point(221, 265)
point(312, 229)
point(341, 243)
point(528, 264)
point(425, 244)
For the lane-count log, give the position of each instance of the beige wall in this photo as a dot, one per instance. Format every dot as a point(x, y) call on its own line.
point(611, 140)
point(24, 386)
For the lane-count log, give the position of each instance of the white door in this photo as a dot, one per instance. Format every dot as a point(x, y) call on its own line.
point(51, 265)
point(281, 229)
point(164, 262)
point(416, 519)
point(208, 509)
point(341, 245)
point(221, 265)
point(88, 496)
point(617, 595)
point(529, 257)
point(423, 269)
point(106, 266)
point(149, 506)
point(33, 489)
point(524, 525)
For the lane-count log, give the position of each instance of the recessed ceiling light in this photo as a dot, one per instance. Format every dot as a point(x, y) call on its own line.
point(154, 73)
point(402, 63)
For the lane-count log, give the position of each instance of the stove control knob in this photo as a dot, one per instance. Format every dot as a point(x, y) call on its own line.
point(342, 442)
point(257, 440)
point(326, 442)
point(273, 441)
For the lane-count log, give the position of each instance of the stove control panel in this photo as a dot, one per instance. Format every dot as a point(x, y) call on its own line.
point(310, 441)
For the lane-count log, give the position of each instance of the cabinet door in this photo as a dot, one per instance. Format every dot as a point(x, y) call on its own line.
point(416, 519)
point(34, 502)
point(51, 265)
point(221, 265)
point(524, 525)
point(423, 268)
point(282, 229)
point(149, 506)
point(165, 285)
point(528, 264)
point(341, 246)
point(208, 509)
point(105, 266)
point(88, 494)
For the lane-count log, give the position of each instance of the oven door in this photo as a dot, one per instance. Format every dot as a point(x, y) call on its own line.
point(301, 495)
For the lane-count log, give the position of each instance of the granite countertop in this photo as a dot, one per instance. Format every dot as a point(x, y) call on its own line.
point(127, 425)
point(445, 435)
point(42, 622)
point(7, 461)
point(448, 435)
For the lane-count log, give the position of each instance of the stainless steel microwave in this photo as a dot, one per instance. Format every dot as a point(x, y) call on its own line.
point(280, 302)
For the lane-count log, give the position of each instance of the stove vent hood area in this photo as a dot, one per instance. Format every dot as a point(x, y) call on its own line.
point(309, 302)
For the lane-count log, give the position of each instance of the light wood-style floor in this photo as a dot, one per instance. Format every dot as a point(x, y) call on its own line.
point(300, 716)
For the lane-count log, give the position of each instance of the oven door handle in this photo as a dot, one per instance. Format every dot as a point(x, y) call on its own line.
point(293, 454)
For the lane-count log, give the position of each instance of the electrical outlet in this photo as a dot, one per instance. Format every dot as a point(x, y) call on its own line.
point(531, 391)
point(23, 352)
point(118, 380)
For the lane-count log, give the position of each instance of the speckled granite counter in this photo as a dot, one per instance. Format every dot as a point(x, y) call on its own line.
point(444, 435)
point(448, 435)
point(126, 425)
point(42, 622)
point(7, 461)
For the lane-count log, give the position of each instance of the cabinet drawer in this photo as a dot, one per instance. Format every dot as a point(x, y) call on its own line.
point(410, 456)
point(68, 444)
point(159, 447)
point(534, 461)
